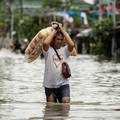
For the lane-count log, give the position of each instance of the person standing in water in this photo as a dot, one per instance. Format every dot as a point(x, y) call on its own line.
point(57, 88)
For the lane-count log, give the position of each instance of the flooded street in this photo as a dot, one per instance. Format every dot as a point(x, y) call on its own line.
point(95, 90)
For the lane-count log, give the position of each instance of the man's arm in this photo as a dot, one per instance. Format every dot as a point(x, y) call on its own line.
point(68, 39)
point(48, 40)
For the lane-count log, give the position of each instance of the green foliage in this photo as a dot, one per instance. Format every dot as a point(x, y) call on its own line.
point(2, 28)
point(28, 28)
point(90, 20)
point(102, 35)
point(102, 28)
point(77, 21)
point(2, 19)
point(52, 3)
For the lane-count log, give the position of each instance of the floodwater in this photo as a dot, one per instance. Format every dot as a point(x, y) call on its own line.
point(95, 90)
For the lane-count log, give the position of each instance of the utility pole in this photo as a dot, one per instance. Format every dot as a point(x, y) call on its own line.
point(8, 15)
point(100, 4)
point(9, 22)
point(114, 15)
point(114, 53)
point(21, 20)
point(12, 23)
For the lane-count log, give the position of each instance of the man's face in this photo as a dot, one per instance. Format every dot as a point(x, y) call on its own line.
point(58, 41)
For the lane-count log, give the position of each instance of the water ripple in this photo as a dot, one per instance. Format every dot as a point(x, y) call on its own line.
point(95, 90)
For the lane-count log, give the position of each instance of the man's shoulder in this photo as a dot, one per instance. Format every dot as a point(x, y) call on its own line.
point(64, 47)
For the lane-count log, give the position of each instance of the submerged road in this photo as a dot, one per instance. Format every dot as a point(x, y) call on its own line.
point(95, 90)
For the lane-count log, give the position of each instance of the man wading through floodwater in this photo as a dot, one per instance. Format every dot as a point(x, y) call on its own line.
point(56, 86)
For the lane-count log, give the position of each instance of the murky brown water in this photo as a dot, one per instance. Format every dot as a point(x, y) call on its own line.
point(95, 90)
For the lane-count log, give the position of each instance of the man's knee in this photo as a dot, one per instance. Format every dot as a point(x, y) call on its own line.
point(66, 100)
point(51, 98)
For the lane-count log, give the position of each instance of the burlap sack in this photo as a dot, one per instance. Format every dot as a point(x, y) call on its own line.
point(34, 49)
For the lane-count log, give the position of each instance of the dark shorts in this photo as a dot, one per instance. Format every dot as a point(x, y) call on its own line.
point(58, 93)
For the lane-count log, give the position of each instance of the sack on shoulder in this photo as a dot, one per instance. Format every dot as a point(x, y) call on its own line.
point(66, 72)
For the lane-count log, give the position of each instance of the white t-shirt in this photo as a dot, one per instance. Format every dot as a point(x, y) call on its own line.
point(52, 75)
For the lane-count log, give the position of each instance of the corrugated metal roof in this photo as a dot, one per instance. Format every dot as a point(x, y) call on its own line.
point(38, 3)
point(34, 7)
point(28, 3)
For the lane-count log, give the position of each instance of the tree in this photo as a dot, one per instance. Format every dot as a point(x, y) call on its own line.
point(52, 3)
point(102, 31)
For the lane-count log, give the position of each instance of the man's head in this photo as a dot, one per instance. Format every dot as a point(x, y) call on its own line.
point(58, 40)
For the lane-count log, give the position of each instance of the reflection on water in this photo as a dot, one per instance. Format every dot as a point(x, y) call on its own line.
point(95, 90)
point(56, 111)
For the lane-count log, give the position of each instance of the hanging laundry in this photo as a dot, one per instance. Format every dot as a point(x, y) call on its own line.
point(84, 16)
